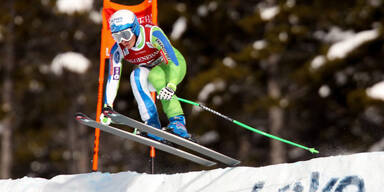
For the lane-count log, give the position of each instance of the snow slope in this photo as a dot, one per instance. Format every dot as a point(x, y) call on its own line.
point(350, 173)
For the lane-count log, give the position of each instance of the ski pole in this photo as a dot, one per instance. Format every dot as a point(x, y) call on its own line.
point(312, 150)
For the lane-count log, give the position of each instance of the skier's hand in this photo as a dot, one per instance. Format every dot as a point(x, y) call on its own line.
point(105, 120)
point(167, 92)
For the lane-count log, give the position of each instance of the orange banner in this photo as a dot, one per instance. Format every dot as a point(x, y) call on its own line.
point(146, 13)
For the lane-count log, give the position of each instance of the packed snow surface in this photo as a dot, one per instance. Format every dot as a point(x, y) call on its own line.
point(349, 173)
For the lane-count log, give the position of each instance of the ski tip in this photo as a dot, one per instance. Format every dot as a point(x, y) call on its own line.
point(211, 164)
point(235, 163)
point(80, 116)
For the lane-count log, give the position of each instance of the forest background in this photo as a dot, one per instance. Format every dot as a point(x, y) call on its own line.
point(304, 70)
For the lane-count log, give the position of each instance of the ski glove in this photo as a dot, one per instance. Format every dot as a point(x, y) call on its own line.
point(167, 92)
point(104, 119)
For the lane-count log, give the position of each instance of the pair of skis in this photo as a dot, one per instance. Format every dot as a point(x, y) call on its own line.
point(124, 120)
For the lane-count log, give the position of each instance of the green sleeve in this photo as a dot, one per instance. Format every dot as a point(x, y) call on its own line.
point(161, 42)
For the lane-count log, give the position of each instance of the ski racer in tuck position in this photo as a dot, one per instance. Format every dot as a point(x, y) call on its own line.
point(160, 68)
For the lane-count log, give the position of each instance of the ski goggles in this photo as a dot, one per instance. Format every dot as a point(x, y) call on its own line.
point(125, 35)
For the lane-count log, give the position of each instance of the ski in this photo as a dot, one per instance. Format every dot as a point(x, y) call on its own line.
point(124, 120)
point(83, 119)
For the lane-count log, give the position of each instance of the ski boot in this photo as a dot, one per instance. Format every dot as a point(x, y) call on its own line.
point(177, 126)
point(153, 122)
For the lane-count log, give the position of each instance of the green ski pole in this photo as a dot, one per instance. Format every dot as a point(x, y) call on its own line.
point(312, 150)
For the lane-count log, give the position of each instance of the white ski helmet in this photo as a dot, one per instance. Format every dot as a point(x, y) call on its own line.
point(124, 19)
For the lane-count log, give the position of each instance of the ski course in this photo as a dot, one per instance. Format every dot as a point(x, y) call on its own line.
point(361, 172)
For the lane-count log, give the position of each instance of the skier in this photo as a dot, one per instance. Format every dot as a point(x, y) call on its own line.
point(160, 68)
